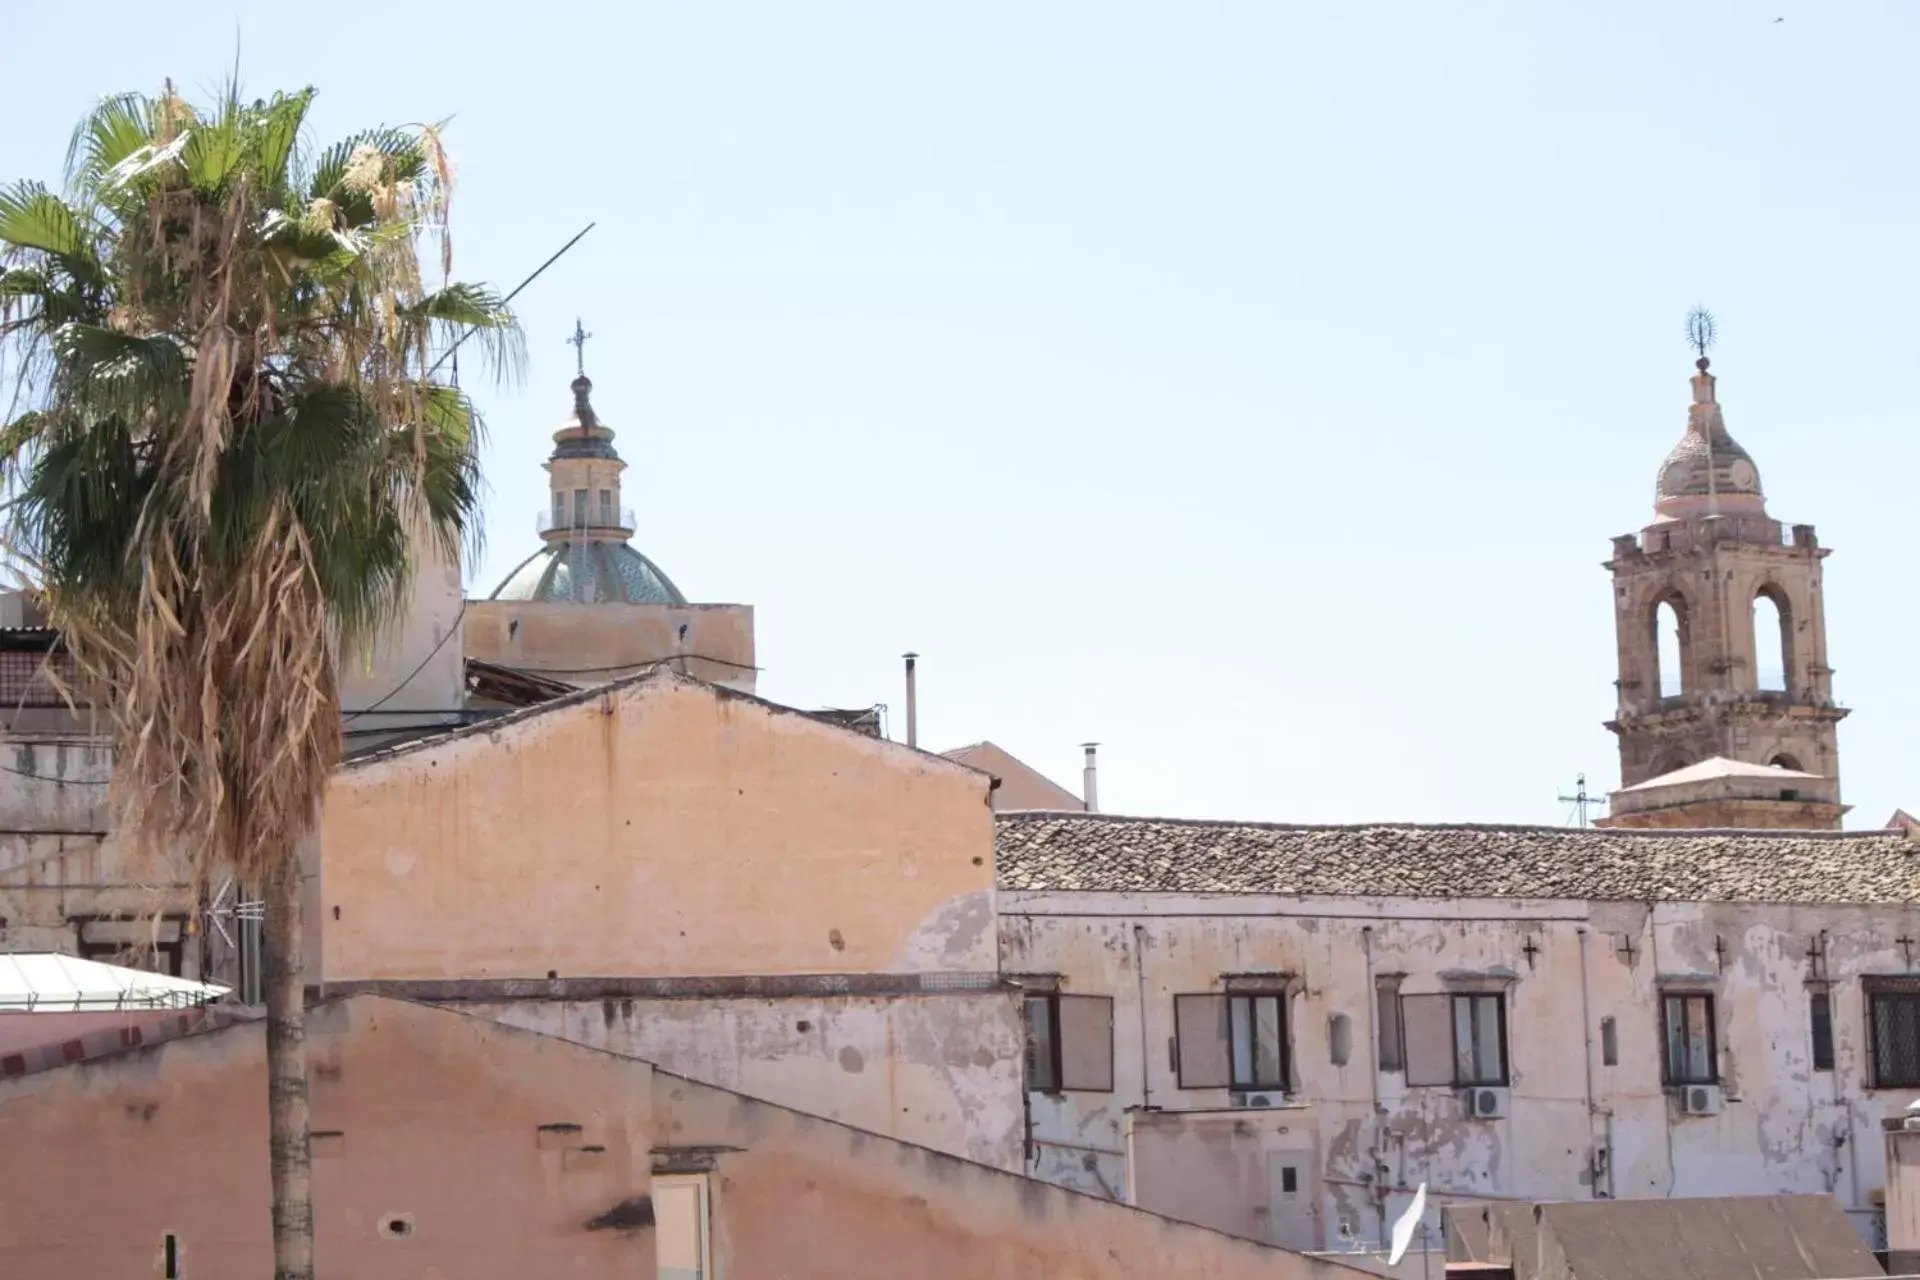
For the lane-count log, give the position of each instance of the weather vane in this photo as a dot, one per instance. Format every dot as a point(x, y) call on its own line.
point(579, 343)
point(1701, 332)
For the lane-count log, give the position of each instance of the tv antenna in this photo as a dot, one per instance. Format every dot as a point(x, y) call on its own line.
point(1582, 801)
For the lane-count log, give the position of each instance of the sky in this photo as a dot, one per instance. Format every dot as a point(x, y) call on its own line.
point(1253, 388)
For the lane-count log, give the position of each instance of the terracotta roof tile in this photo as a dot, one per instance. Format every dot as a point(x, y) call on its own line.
point(1055, 852)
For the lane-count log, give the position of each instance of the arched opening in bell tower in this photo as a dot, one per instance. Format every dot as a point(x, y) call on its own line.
point(1669, 653)
point(1772, 639)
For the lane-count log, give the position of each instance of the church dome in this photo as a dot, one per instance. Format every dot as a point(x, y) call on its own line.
point(1708, 464)
point(586, 559)
point(589, 572)
point(1684, 473)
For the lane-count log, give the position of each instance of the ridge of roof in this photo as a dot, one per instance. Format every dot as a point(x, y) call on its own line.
point(659, 673)
point(1013, 816)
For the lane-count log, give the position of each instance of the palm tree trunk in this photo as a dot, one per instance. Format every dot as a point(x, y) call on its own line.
point(288, 1128)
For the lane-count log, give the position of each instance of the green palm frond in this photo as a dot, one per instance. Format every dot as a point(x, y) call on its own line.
point(110, 374)
point(31, 217)
point(279, 135)
point(119, 126)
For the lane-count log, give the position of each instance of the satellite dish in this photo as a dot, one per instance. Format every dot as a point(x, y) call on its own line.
point(1406, 1225)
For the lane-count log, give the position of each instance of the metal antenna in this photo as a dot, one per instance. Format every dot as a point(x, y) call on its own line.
point(516, 293)
point(228, 905)
point(1582, 802)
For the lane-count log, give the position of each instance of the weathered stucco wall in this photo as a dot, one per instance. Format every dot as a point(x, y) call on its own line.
point(1784, 1126)
point(427, 1115)
point(938, 1070)
point(660, 827)
point(587, 644)
point(505, 1154)
point(57, 864)
point(812, 1199)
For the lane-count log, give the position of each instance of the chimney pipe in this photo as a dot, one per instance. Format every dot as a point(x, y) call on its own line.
point(1089, 781)
point(913, 703)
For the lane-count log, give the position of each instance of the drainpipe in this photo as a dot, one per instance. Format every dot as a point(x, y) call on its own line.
point(1586, 1018)
point(913, 703)
point(1140, 972)
point(1090, 781)
point(1373, 1081)
point(1839, 1090)
point(1666, 1109)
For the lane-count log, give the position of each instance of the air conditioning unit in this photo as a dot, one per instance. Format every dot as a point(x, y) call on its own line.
point(1486, 1104)
point(1700, 1099)
point(1255, 1100)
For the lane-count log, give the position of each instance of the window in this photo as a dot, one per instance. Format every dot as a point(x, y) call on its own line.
point(1479, 1039)
point(1670, 647)
point(1772, 639)
point(579, 508)
point(1232, 1041)
point(559, 510)
point(1387, 1003)
point(1690, 1056)
point(1069, 1042)
point(1455, 1038)
point(1339, 1039)
point(153, 945)
point(680, 1231)
point(1609, 1042)
point(170, 1257)
point(606, 507)
point(1820, 1013)
point(1893, 1017)
point(1200, 1034)
point(1257, 1028)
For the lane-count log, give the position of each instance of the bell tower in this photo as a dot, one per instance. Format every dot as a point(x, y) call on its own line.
point(1734, 725)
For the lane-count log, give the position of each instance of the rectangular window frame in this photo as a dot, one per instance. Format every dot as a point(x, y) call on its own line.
point(1057, 1078)
point(136, 952)
point(1043, 1076)
point(1890, 991)
point(1671, 1074)
point(1820, 1027)
point(1182, 1065)
point(1475, 1000)
point(1283, 1067)
point(1390, 1049)
point(702, 1187)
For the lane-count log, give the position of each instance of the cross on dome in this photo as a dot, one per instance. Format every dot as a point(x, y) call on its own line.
point(579, 344)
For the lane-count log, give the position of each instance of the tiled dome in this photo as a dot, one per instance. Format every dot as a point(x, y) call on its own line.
point(589, 572)
point(1708, 464)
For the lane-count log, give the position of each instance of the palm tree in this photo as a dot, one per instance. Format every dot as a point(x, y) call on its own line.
point(227, 440)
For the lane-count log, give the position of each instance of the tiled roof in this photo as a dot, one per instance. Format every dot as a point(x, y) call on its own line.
point(1054, 852)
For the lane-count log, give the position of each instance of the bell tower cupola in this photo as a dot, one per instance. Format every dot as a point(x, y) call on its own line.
point(1725, 711)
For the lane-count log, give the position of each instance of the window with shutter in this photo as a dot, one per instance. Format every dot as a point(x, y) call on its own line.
point(1387, 1020)
point(1200, 1029)
point(1086, 1042)
point(1427, 1024)
point(1069, 1042)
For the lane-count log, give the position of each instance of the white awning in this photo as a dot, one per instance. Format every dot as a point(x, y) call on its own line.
point(47, 982)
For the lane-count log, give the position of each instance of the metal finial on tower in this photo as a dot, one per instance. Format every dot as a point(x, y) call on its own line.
point(1701, 331)
point(579, 343)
